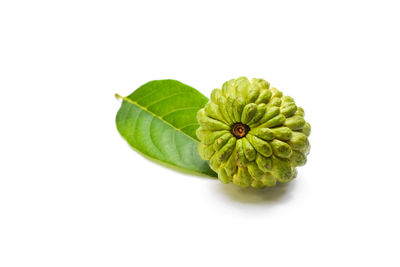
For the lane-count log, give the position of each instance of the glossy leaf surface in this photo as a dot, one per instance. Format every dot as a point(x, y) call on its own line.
point(159, 120)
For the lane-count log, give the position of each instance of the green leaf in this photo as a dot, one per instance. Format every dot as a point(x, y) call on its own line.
point(159, 120)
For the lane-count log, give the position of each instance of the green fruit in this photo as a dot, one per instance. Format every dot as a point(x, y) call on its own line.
point(252, 134)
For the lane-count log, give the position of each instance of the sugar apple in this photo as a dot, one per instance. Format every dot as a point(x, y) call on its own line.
point(252, 134)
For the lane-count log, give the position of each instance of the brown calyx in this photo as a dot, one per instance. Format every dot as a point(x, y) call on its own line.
point(240, 130)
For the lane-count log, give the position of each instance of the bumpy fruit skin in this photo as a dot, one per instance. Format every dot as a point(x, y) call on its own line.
point(252, 134)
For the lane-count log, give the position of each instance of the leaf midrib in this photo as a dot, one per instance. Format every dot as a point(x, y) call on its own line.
point(130, 101)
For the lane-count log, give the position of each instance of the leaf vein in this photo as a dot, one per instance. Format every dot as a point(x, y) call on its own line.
point(187, 125)
point(151, 137)
point(165, 98)
point(176, 146)
point(158, 117)
point(179, 109)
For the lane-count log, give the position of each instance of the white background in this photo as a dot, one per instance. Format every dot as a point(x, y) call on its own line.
point(73, 193)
